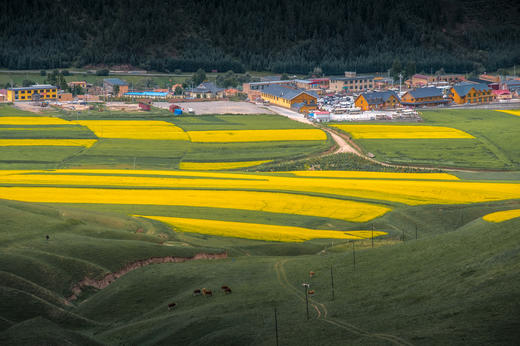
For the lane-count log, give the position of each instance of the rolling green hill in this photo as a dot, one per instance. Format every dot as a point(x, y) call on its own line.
point(457, 284)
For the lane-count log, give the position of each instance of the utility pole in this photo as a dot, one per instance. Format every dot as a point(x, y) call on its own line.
point(415, 231)
point(276, 325)
point(306, 285)
point(400, 81)
point(354, 253)
point(332, 281)
point(372, 236)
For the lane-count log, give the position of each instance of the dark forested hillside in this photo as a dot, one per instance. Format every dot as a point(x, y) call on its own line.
point(292, 36)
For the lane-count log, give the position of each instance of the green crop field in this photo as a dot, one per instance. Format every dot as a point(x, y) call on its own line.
point(97, 240)
point(495, 146)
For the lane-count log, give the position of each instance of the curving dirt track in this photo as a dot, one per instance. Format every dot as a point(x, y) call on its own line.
point(322, 312)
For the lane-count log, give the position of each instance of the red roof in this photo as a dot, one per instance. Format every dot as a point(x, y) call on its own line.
point(421, 76)
point(501, 92)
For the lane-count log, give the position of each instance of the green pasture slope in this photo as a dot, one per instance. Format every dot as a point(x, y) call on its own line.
point(149, 154)
point(458, 283)
point(495, 147)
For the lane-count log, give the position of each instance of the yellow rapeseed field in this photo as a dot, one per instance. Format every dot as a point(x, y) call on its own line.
point(216, 166)
point(273, 202)
point(134, 129)
point(48, 142)
point(411, 192)
point(501, 216)
point(376, 175)
point(257, 135)
point(32, 121)
point(402, 131)
point(47, 128)
point(514, 112)
point(257, 231)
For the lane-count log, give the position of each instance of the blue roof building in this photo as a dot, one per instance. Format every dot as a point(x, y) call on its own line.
point(424, 97)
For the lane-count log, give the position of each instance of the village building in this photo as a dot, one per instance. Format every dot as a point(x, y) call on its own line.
point(513, 85)
point(419, 80)
point(231, 92)
point(110, 83)
point(320, 83)
point(377, 100)
point(489, 78)
point(468, 92)
point(502, 95)
point(35, 92)
point(3, 95)
point(81, 84)
point(382, 83)
point(206, 90)
point(147, 94)
point(253, 90)
point(63, 96)
point(299, 100)
point(422, 97)
point(352, 83)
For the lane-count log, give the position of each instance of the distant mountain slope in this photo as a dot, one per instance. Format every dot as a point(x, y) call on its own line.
point(277, 35)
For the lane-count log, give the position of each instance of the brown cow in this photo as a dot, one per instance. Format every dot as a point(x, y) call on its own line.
point(197, 292)
point(224, 288)
point(311, 274)
point(207, 293)
point(171, 306)
point(310, 292)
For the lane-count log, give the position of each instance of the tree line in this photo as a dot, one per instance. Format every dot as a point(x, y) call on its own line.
point(264, 35)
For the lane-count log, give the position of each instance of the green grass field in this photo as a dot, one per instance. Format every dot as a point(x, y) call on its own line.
point(495, 146)
point(458, 283)
point(441, 274)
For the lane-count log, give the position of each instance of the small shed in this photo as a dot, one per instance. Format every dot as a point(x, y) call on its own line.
point(174, 107)
point(145, 106)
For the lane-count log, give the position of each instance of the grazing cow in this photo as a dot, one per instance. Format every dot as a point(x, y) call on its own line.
point(310, 292)
point(224, 288)
point(207, 293)
point(311, 274)
point(227, 291)
point(171, 306)
point(197, 292)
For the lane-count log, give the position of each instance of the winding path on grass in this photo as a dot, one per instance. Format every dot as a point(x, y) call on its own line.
point(322, 312)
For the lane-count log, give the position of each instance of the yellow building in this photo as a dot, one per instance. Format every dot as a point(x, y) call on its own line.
point(36, 92)
point(297, 99)
point(377, 100)
point(471, 93)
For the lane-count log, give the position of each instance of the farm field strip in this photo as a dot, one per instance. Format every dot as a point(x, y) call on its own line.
point(33, 121)
point(244, 200)
point(227, 136)
point(501, 216)
point(134, 129)
point(209, 166)
point(402, 132)
point(257, 231)
point(375, 175)
point(513, 112)
point(48, 142)
point(411, 192)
